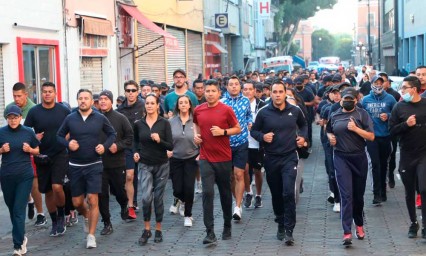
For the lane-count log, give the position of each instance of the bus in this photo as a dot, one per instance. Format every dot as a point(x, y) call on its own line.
point(279, 63)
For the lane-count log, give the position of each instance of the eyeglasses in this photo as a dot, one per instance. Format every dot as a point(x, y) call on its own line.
point(131, 90)
point(178, 77)
point(403, 88)
point(10, 118)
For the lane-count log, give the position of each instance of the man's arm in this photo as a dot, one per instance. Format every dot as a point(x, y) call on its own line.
point(127, 140)
point(109, 132)
point(62, 133)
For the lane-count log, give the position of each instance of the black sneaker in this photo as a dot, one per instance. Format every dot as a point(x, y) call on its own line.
point(280, 232)
point(124, 213)
point(288, 237)
point(54, 230)
point(412, 231)
point(61, 228)
point(226, 234)
point(384, 197)
point(107, 230)
point(41, 220)
point(330, 199)
point(31, 211)
point(423, 233)
point(158, 238)
point(301, 186)
point(247, 200)
point(258, 202)
point(145, 236)
point(377, 200)
point(391, 181)
point(210, 238)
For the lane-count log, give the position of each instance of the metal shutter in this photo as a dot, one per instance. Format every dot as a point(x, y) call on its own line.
point(2, 120)
point(91, 74)
point(195, 55)
point(176, 57)
point(151, 66)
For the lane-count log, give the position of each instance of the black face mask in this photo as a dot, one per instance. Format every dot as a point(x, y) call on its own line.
point(348, 105)
point(299, 87)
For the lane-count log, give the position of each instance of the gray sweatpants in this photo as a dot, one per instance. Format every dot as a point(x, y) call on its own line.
point(153, 183)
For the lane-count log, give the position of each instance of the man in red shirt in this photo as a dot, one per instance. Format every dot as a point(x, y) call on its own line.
point(214, 122)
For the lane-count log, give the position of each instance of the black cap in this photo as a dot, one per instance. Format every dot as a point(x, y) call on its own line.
point(121, 98)
point(143, 82)
point(288, 80)
point(336, 78)
point(377, 77)
point(13, 110)
point(298, 80)
point(179, 71)
point(304, 77)
point(349, 92)
point(164, 85)
point(150, 82)
point(344, 84)
point(107, 93)
point(259, 87)
point(326, 79)
point(96, 97)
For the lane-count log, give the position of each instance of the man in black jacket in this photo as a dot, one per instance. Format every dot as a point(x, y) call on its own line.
point(133, 108)
point(114, 161)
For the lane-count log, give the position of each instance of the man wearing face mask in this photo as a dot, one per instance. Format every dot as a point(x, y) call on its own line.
point(347, 131)
point(408, 120)
point(309, 98)
point(379, 105)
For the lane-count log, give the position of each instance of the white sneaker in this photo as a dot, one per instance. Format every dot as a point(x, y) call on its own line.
point(199, 187)
point(24, 245)
point(174, 208)
point(86, 225)
point(237, 213)
point(91, 241)
point(17, 252)
point(187, 222)
point(182, 209)
point(336, 207)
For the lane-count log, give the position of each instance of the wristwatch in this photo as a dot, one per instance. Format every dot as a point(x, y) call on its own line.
point(225, 132)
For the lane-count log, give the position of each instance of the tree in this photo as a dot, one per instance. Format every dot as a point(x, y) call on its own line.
point(344, 46)
point(323, 44)
point(290, 13)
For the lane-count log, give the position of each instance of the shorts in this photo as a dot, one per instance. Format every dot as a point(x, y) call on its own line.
point(130, 162)
point(34, 166)
point(240, 156)
point(53, 172)
point(85, 179)
point(255, 158)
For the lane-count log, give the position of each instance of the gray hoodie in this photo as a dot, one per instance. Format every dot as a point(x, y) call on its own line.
point(183, 138)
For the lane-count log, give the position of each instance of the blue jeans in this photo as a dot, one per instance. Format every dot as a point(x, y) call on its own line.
point(16, 190)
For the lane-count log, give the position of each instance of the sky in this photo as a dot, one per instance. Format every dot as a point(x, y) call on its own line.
point(340, 19)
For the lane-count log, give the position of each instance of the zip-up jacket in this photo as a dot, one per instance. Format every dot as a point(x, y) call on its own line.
point(151, 152)
point(123, 140)
point(88, 135)
point(284, 124)
point(241, 106)
point(183, 138)
point(133, 112)
point(376, 105)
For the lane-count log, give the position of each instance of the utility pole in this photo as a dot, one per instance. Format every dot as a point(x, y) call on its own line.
point(379, 54)
point(370, 59)
point(396, 24)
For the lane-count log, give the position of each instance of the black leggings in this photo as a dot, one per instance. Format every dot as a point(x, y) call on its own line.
point(412, 171)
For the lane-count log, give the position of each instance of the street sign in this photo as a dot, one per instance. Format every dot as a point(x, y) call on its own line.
point(264, 9)
point(221, 20)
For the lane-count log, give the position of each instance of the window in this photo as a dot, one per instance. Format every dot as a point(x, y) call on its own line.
point(388, 21)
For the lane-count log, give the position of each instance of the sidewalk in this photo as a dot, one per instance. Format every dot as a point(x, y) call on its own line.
point(318, 230)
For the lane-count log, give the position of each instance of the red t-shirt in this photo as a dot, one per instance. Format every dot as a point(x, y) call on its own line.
point(215, 148)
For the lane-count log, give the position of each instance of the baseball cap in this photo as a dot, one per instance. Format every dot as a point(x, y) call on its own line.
point(298, 80)
point(143, 82)
point(377, 77)
point(344, 84)
point(349, 92)
point(179, 71)
point(121, 98)
point(336, 78)
point(327, 79)
point(96, 97)
point(288, 80)
point(271, 71)
point(13, 110)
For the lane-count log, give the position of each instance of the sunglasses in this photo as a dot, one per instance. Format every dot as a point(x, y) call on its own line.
point(131, 90)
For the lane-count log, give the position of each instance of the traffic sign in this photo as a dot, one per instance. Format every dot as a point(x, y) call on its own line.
point(221, 20)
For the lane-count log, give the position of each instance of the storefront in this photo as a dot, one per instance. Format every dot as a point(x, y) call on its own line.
point(214, 51)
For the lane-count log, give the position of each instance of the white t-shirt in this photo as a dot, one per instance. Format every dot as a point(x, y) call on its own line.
point(252, 142)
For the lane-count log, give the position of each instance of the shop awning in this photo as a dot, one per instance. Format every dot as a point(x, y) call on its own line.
point(95, 26)
point(217, 48)
point(169, 40)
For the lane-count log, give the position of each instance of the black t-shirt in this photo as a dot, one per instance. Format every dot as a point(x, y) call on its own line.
point(394, 93)
point(365, 88)
point(47, 121)
point(348, 141)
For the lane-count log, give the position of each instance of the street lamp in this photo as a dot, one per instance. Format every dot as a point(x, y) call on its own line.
point(360, 47)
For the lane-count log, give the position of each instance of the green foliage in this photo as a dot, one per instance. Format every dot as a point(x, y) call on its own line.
point(331, 45)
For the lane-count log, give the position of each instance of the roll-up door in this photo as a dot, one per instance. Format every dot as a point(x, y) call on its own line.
point(2, 120)
point(195, 55)
point(176, 57)
point(91, 74)
point(151, 60)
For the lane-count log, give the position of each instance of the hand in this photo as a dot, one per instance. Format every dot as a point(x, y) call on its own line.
point(5, 148)
point(155, 137)
point(26, 147)
point(321, 122)
point(73, 145)
point(136, 157)
point(100, 149)
point(300, 141)
point(332, 140)
point(216, 131)
point(352, 125)
point(39, 136)
point(411, 121)
point(169, 153)
point(268, 137)
point(170, 114)
point(197, 139)
point(249, 126)
point(113, 149)
point(383, 117)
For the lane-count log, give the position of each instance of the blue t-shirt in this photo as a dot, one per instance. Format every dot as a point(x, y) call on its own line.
point(16, 162)
point(171, 99)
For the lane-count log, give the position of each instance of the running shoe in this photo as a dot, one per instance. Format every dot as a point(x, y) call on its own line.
point(226, 234)
point(54, 230)
point(280, 232)
point(174, 208)
point(74, 219)
point(288, 237)
point(258, 202)
point(336, 207)
point(237, 213)
point(359, 232)
point(412, 231)
point(199, 187)
point(210, 238)
point(107, 230)
point(182, 209)
point(248, 200)
point(187, 222)
point(91, 241)
point(158, 237)
point(145, 236)
point(68, 222)
point(61, 227)
point(347, 239)
point(131, 213)
point(24, 245)
point(41, 220)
